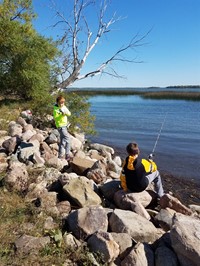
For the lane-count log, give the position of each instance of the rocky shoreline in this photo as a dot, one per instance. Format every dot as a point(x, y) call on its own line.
point(82, 201)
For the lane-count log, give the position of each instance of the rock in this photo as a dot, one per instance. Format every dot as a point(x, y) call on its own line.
point(113, 166)
point(109, 189)
point(10, 145)
point(38, 136)
point(50, 224)
point(98, 172)
point(27, 135)
point(65, 178)
point(86, 221)
point(29, 127)
point(195, 208)
point(14, 129)
point(16, 177)
point(70, 241)
point(118, 161)
point(139, 228)
point(94, 154)
point(75, 143)
point(3, 162)
point(26, 150)
point(27, 114)
point(55, 162)
point(27, 244)
point(102, 148)
point(140, 255)
point(21, 121)
point(81, 192)
point(64, 208)
point(104, 243)
point(124, 241)
point(185, 239)
point(133, 201)
point(80, 165)
point(173, 203)
point(165, 256)
point(48, 201)
point(37, 159)
point(53, 137)
point(165, 217)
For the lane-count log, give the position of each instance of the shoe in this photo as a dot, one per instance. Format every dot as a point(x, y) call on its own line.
point(68, 158)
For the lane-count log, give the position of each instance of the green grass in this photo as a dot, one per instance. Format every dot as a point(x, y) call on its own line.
point(15, 215)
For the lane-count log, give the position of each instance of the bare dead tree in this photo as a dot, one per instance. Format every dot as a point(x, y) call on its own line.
point(77, 48)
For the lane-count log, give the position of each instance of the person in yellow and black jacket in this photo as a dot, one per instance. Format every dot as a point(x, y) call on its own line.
point(137, 173)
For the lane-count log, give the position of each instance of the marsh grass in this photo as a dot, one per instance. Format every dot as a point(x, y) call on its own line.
point(159, 95)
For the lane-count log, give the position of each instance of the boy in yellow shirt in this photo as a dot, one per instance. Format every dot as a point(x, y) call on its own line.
point(60, 114)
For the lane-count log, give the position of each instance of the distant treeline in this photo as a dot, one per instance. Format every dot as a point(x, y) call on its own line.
point(184, 86)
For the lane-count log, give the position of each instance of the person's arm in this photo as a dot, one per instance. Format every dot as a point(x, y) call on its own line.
point(123, 179)
point(65, 111)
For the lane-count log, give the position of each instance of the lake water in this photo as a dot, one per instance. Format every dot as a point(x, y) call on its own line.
point(123, 119)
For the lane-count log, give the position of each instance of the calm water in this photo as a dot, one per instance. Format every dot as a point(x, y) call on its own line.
point(123, 119)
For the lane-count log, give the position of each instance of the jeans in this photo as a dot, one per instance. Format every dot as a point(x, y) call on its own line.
point(156, 179)
point(64, 145)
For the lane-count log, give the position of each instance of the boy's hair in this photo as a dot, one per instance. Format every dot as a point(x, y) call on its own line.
point(132, 149)
point(59, 98)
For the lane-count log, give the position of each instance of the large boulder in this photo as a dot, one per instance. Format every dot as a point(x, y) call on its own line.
point(86, 221)
point(16, 177)
point(139, 228)
point(81, 192)
point(140, 255)
point(109, 188)
point(103, 243)
point(185, 238)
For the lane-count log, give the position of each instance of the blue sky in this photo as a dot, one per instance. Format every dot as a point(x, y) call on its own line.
point(171, 55)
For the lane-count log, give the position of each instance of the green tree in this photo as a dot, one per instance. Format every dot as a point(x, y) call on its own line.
point(25, 56)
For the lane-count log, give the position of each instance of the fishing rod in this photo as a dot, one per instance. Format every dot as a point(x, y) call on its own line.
point(151, 155)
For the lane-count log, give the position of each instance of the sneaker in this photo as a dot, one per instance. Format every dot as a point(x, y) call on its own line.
point(68, 157)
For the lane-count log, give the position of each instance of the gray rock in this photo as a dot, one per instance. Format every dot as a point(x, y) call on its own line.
point(165, 256)
point(27, 135)
point(98, 172)
point(86, 221)
point(165, 218)
point(195, 208)
point(133, 201)
point(103, 243)
point(10, 145)
point(80, 165)
point(25, 151)
point(102, 148)
point(38, 136)
point(55, 162)
point(139, 228)
point(185, 238)
point(14, 129)
point(81, 192)
point(124, 241)
point(21, 121)
point(64, 208)
point(109, 189)
point(27, 244)
point(140, 255)
point(70, 241)
point(16, 177)
point(75, 144)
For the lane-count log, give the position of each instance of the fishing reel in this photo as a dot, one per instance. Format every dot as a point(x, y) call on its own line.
point(151, 156)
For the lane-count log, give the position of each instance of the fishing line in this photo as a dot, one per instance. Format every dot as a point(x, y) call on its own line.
point(151, 155)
